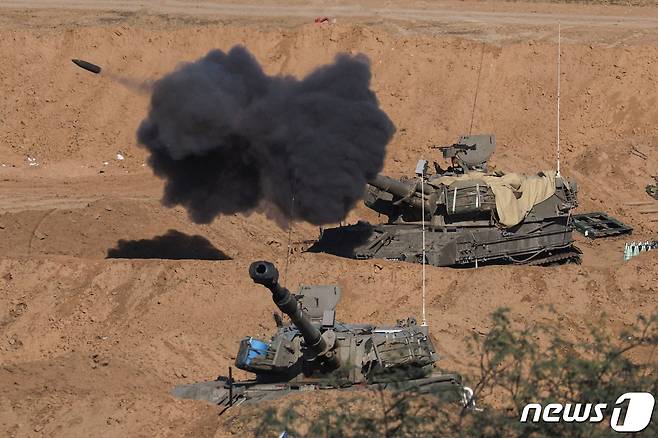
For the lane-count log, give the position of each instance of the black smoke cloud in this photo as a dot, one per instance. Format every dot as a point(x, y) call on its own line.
point(228, 138)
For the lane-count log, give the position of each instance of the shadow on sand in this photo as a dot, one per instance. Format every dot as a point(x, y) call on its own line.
point(173, 245)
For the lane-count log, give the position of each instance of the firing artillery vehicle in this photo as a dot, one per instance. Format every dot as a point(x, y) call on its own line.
point(470, 216)
point(314, 352)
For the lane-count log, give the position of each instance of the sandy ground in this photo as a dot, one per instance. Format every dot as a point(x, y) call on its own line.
point(91, 345)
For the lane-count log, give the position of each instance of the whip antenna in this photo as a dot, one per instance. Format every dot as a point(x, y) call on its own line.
point(421, 167)
point(558, 97)
point(477, 88)
point(422, 192)
point(292, 215)
point(285, 271)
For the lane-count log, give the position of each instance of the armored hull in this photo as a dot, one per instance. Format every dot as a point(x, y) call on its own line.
point(223, 393)
point(530, 243)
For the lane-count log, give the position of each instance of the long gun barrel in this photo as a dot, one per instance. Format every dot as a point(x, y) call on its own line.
point(265, 273)
point(400, 189)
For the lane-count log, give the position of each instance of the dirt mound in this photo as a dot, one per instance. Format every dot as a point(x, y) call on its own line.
point(100, 343)
point(109, 227)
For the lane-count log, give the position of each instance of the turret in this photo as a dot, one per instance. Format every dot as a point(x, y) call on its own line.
point(405, 197)
point(466, 195)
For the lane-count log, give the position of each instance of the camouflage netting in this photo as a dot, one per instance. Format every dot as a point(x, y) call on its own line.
point(515, 193)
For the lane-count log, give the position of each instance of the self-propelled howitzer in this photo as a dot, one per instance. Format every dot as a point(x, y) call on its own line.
point(315, 352)
point(471, 216)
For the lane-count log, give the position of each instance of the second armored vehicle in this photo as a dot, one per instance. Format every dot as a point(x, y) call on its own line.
point(471, 216)
point(316, 352)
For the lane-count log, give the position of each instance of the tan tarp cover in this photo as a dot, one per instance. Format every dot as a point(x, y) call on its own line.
point(532, 190)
